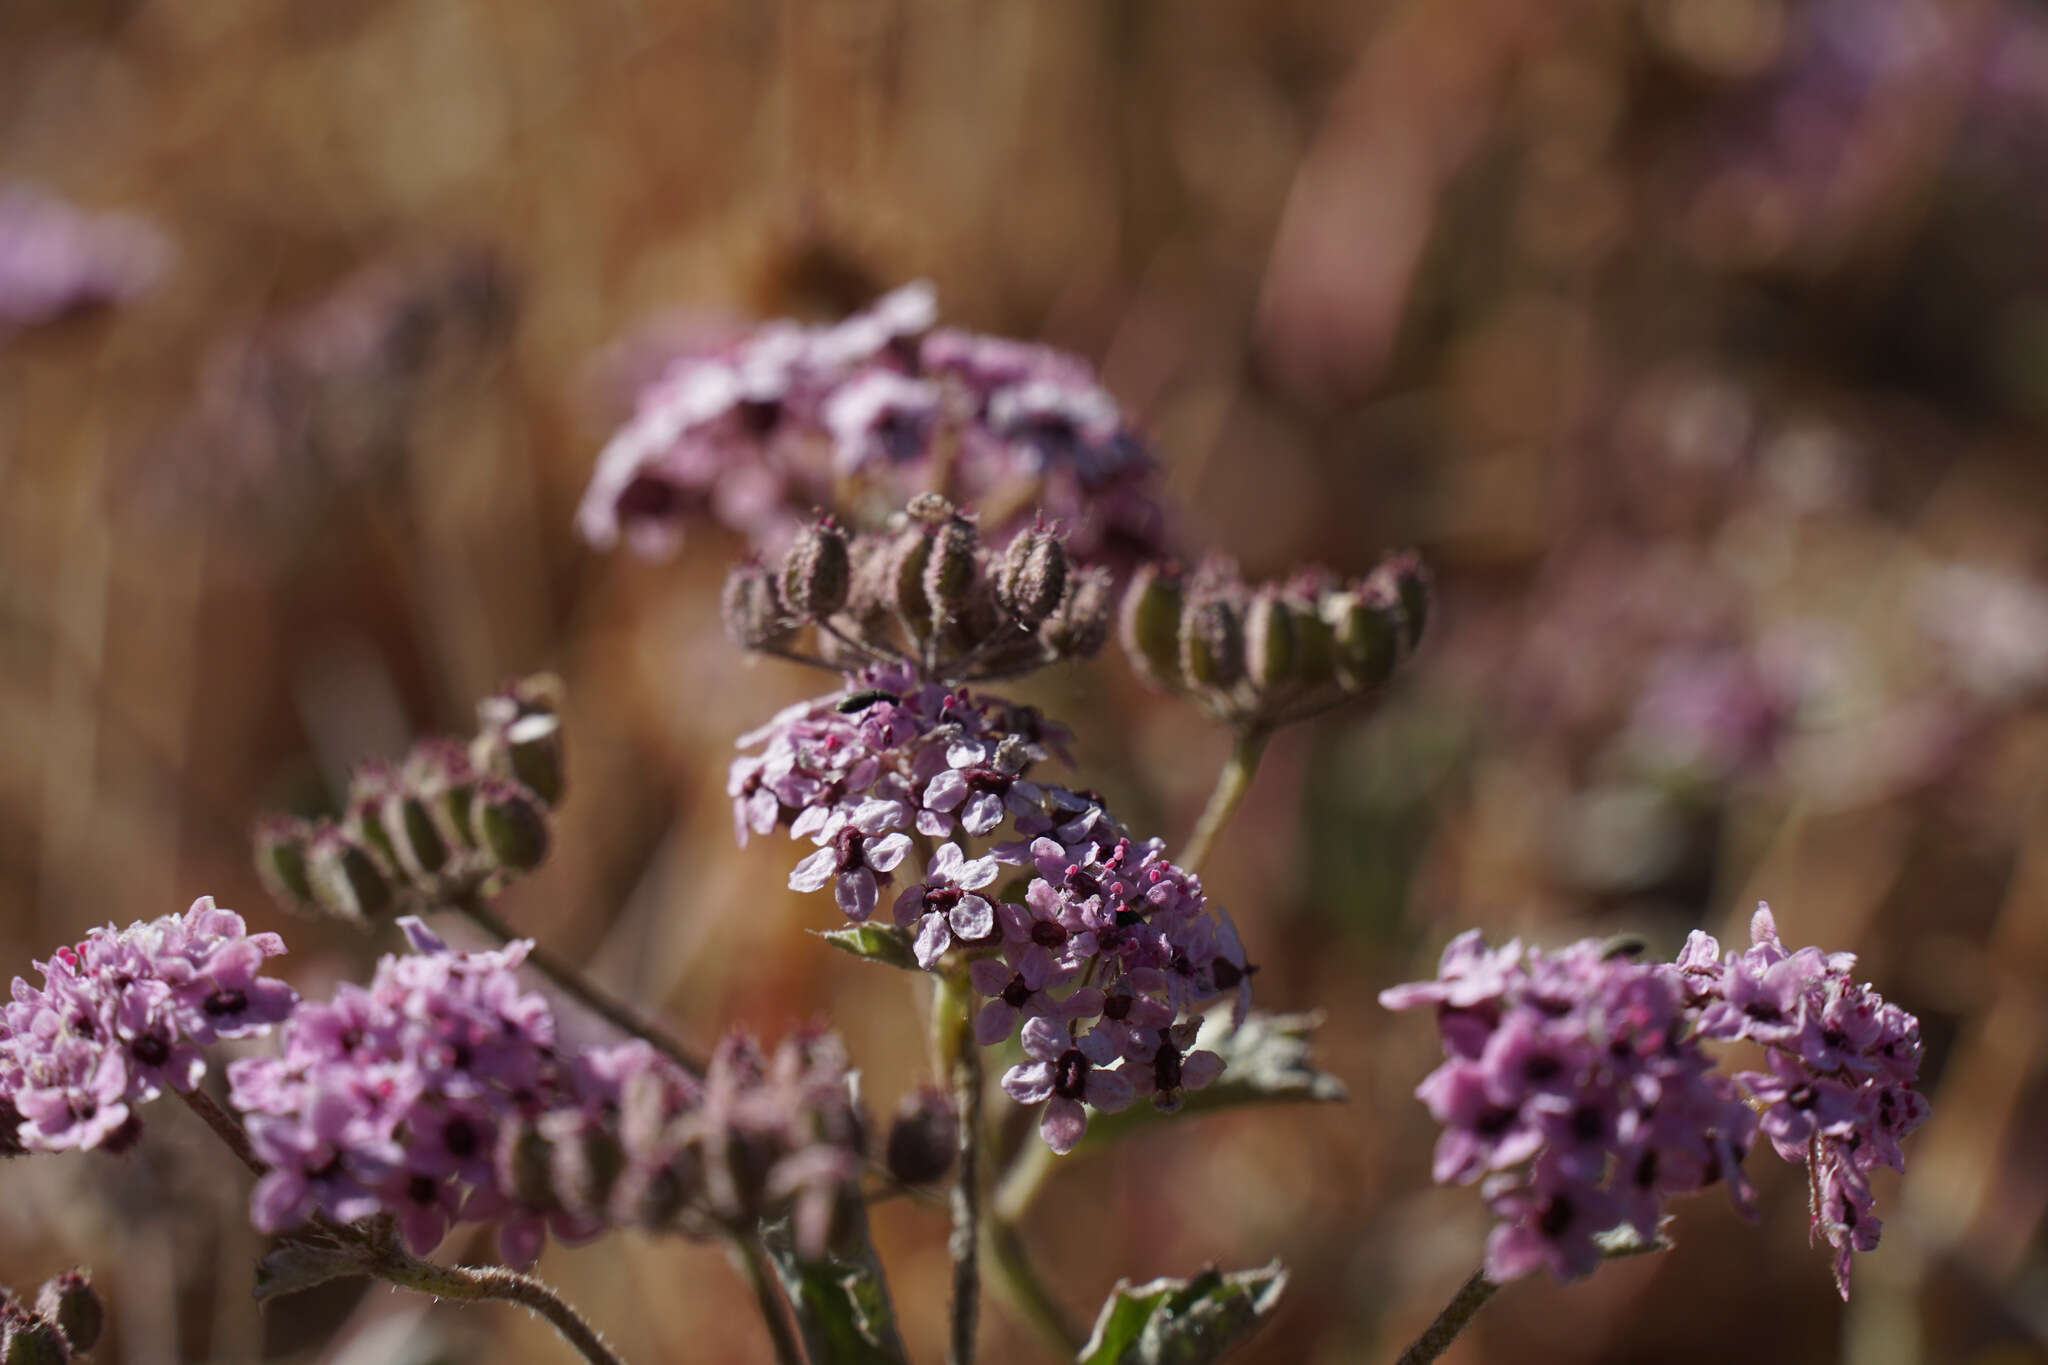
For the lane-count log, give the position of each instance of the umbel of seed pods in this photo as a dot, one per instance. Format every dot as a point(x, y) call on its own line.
point(450, 817)
point(1267, 655)
point(925, 592)
point(63, 1325)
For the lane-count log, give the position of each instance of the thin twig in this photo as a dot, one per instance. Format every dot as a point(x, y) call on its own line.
point(1231, 784)
point(747, 1255)
point(570, 981)
point(225, 1127)
point(1458, 1313)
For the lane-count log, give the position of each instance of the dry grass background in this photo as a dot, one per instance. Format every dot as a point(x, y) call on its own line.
point(1474, 275)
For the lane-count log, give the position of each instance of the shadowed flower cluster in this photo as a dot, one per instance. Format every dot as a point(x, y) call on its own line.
point(755, 430)
point(1577, 1089)
point(121, 1017)
point(1838, 1096)
point(438, 1094)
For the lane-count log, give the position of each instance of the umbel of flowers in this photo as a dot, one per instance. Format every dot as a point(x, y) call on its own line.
point(1576, 1087)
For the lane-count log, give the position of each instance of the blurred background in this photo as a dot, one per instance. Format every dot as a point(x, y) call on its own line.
point(1701, 346)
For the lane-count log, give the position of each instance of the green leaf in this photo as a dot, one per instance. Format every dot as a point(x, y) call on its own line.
point(874, 943)
point(293, 1266)
point(1265, 1061)
point(1183, 1322)
point(841, 1303)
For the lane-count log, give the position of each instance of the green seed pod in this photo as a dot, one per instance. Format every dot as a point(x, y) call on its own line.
point(584, 1161)
point(70, 1301)
point(281, 846)
point(29, 1340)
point(1150, 624)
point(908, 559)
point(519, 736)
point(1365, 626)
point(523, 1159)
point(510, 825)
point(1211, 643)
point(817, 571)
point(438, 773)
point(1269, 646)
point(1409, 579)
point(1314, 643)
point(346, 880)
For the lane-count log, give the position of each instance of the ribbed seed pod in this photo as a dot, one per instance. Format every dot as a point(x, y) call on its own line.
point(1150, 623)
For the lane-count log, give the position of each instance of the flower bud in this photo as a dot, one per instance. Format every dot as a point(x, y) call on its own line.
point(29, 1340)
point(346, 881)
point(1365, 629)
point(1081, 625)
point(1269, 644)
point(1211, 643)
point(510, 824)
point(1033, 578)
point(951, 567)
point(751, 609)
point(924, 1137)
point(520, 736)
point(281, 845)
point(69, 1301)
point(1150, 623)
point(816, 571)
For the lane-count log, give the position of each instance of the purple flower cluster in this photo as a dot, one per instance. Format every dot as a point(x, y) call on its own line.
point(1838, 1095)
point(1574, 1089)
point(1576, 1086)
point(1108, 961)
point(121, 1016)
point(755, 431)
point(56, 259)
point(437, 1094)
point(857, 771)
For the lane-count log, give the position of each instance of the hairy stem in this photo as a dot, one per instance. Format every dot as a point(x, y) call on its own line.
point(472, 906)
point(960, 1066)
point(1231, 785)
point(1019, 1280)
point(1457, 1315)
point(747, 1255)
point(378, 1256)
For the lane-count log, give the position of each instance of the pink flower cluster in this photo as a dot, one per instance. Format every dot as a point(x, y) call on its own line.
point(437, 1094)
point(1838, 1095)
point(1577, 1091)
point(121, 1017)
point(755, 431)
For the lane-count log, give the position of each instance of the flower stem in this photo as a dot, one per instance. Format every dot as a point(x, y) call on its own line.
point(1231, 785)
point(960, 1066)
point(746, 1254)
point(1458, 1313)
point(472, 906)
point(1025, 1291)
point(379, 1257)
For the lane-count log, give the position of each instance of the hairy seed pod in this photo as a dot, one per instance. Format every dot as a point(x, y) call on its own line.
point(523, 1158)
point(1315, 662)
point(1211, 642)
point(1409, 578)
point(909, 557)
point(1081, 625)
point(752, 610)
point(816, 571)
point(519, 736)
point(439, 773)
point(70, 1301)
point(29, 1340)
point(951, 569)
point(1150, 623)
point(1033, 577)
